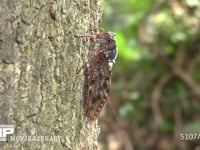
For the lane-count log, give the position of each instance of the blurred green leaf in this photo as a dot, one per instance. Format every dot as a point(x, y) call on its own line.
point(126, 52)
point(168, 126)
point(195, 107)
point(192, 127)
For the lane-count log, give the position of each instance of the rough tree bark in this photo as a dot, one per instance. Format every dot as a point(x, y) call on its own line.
point(40, 92)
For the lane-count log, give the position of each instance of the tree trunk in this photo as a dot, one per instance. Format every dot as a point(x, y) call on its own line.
point(41, 93)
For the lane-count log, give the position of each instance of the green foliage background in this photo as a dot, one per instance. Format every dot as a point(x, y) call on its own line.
point(155, 86)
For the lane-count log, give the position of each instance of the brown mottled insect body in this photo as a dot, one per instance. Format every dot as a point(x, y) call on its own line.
point(97, 73)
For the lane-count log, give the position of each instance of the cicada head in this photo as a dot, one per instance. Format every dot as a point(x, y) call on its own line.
point(111, 50)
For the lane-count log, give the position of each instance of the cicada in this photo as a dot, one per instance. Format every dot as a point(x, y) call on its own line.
point(97, 73)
